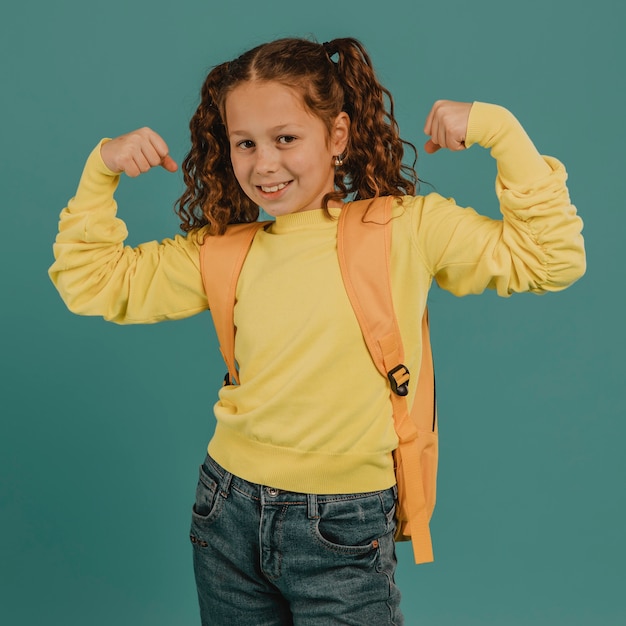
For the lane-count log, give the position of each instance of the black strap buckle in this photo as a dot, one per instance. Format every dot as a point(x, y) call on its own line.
point(399, 379)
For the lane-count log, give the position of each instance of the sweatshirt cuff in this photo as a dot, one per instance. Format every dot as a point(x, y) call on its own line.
point(485, 122)
point(95, 159)
point(495, 128)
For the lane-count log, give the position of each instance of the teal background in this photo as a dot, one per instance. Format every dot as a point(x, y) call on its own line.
point(103, 427)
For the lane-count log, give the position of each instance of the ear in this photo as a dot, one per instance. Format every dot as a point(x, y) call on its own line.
point(340, 133)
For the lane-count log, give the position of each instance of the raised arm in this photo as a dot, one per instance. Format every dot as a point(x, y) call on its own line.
point(95, 273)
point(537, 246)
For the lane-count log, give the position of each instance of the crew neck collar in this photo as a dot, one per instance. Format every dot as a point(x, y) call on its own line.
point(314, 218)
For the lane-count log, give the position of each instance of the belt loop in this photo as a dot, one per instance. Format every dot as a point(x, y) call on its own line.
point(225, 481)
point(311, 506)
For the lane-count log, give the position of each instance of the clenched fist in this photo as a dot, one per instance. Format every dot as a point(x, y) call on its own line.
point(446, 125)
point(136, 152)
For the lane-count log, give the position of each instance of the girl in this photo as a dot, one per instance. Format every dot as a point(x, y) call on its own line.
point(293, 521)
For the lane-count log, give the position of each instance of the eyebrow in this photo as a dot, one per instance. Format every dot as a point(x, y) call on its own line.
point(275, 129)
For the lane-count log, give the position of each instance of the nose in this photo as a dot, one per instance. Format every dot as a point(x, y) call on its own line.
point(266, 160)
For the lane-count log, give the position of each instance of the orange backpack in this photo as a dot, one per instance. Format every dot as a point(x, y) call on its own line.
point(363, 247)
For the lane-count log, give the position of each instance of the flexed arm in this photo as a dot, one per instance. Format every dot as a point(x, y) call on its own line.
point(95, 273)
point(537, 246)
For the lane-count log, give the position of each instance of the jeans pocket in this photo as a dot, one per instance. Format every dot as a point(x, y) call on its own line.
point(207, 500)
point(355, 524)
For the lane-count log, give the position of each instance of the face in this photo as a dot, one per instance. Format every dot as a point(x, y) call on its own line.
point(282, 154)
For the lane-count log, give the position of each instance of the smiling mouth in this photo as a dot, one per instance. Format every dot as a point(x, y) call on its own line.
point(273, 188)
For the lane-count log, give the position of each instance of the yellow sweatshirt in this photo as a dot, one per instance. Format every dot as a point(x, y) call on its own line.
point(312, 414)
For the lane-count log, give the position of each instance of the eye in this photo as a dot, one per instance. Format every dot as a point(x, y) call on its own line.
point(246, 144)
point(285, 139)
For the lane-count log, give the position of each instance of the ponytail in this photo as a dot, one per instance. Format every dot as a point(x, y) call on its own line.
point(373, 162)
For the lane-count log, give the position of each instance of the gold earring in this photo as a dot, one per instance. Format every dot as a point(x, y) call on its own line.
point(339, 160)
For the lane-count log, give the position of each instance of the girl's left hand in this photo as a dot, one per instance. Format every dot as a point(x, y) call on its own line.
point(446, 125)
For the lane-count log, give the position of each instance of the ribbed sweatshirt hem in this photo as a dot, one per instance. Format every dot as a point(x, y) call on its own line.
point(302, 471)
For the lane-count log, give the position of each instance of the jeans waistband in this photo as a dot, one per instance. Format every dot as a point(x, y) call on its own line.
point(268, 493)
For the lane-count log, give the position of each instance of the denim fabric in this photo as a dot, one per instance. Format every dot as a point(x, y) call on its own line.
point(265, 557)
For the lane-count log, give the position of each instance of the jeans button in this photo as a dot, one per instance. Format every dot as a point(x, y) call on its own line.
point(271, 491)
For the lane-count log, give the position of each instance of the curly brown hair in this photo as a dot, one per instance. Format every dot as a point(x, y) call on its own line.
point(372, 165)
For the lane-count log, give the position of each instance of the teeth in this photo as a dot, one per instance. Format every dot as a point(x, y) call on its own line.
point(274, 188)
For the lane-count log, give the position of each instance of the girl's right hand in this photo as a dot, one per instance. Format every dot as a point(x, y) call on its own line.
point(136, 152)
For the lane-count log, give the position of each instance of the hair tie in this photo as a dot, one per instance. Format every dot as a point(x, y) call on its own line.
point(330, 47)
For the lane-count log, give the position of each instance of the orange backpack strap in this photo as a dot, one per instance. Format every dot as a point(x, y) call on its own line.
point(221, 260)
point(364, 256)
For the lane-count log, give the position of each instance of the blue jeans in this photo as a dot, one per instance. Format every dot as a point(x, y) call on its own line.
point(265, 557)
